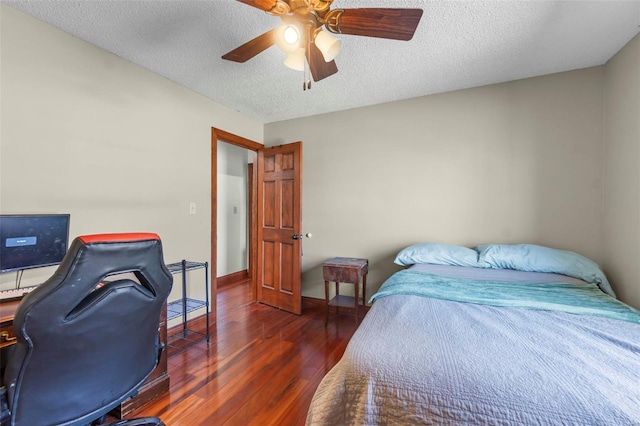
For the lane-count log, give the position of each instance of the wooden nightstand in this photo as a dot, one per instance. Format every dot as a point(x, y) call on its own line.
point(345, 270)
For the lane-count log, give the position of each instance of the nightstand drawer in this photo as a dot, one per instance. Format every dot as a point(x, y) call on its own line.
point(344, 269)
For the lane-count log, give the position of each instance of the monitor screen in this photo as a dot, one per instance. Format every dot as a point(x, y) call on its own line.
point(31, 241)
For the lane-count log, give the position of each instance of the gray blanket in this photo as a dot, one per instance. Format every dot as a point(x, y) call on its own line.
point(416, 360)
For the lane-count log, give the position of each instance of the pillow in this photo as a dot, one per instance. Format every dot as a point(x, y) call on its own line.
point(534, 258)
point(438, 254)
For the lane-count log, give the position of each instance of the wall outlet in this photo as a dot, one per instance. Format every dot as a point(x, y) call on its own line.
point(192, 208)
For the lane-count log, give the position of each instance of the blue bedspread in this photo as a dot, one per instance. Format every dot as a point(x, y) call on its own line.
point(564, 297)
point(429, 360)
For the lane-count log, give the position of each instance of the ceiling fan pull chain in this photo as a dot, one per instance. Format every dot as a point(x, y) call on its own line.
point(307, 66)
point(304, 77)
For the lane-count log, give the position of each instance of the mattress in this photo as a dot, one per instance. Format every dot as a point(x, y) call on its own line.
point(424, 360)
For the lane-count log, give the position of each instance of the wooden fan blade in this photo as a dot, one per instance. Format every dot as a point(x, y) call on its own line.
point(265, 5)
point(252, 47)
point(317, 65)
point(397, 24)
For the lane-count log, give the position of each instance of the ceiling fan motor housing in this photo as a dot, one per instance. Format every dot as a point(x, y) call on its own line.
point(283, 7)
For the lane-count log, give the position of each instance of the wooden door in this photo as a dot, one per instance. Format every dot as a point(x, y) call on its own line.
point(279, 225)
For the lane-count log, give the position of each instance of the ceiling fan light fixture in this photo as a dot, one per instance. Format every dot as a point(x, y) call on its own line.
point(288, 38)
point(296, 60)
point(328, 45)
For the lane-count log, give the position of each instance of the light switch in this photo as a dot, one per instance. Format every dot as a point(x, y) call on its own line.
point(192, 208)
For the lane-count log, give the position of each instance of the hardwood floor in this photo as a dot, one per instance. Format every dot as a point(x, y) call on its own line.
point(262, 366)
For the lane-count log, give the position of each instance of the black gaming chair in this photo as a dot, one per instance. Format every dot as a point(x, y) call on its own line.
point(85, 342)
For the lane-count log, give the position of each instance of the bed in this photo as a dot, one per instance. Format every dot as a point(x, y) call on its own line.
point(489, 338)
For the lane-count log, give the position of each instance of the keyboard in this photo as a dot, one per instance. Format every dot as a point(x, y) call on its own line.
point(15, 293)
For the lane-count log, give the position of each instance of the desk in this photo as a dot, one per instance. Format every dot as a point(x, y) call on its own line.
point(156, 385)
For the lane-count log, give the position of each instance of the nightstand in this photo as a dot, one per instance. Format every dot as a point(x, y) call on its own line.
point(345, 270)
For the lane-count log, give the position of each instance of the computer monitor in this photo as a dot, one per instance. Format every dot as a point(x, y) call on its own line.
point(32, 240)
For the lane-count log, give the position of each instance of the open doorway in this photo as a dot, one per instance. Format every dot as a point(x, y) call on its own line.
point(223, 274)
point(234, 190)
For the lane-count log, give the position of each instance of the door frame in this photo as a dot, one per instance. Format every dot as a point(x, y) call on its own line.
point(224, 136)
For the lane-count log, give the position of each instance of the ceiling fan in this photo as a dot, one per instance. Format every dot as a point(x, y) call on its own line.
point(301, 35)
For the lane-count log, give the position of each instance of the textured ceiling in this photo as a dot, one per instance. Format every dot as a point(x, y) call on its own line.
point(458, 44)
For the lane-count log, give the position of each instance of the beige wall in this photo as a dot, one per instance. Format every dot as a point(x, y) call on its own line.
point(513, 162)
point(622, 172)
point(119, 148)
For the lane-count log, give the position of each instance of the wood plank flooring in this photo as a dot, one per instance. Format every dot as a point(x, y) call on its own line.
point(261, 367)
